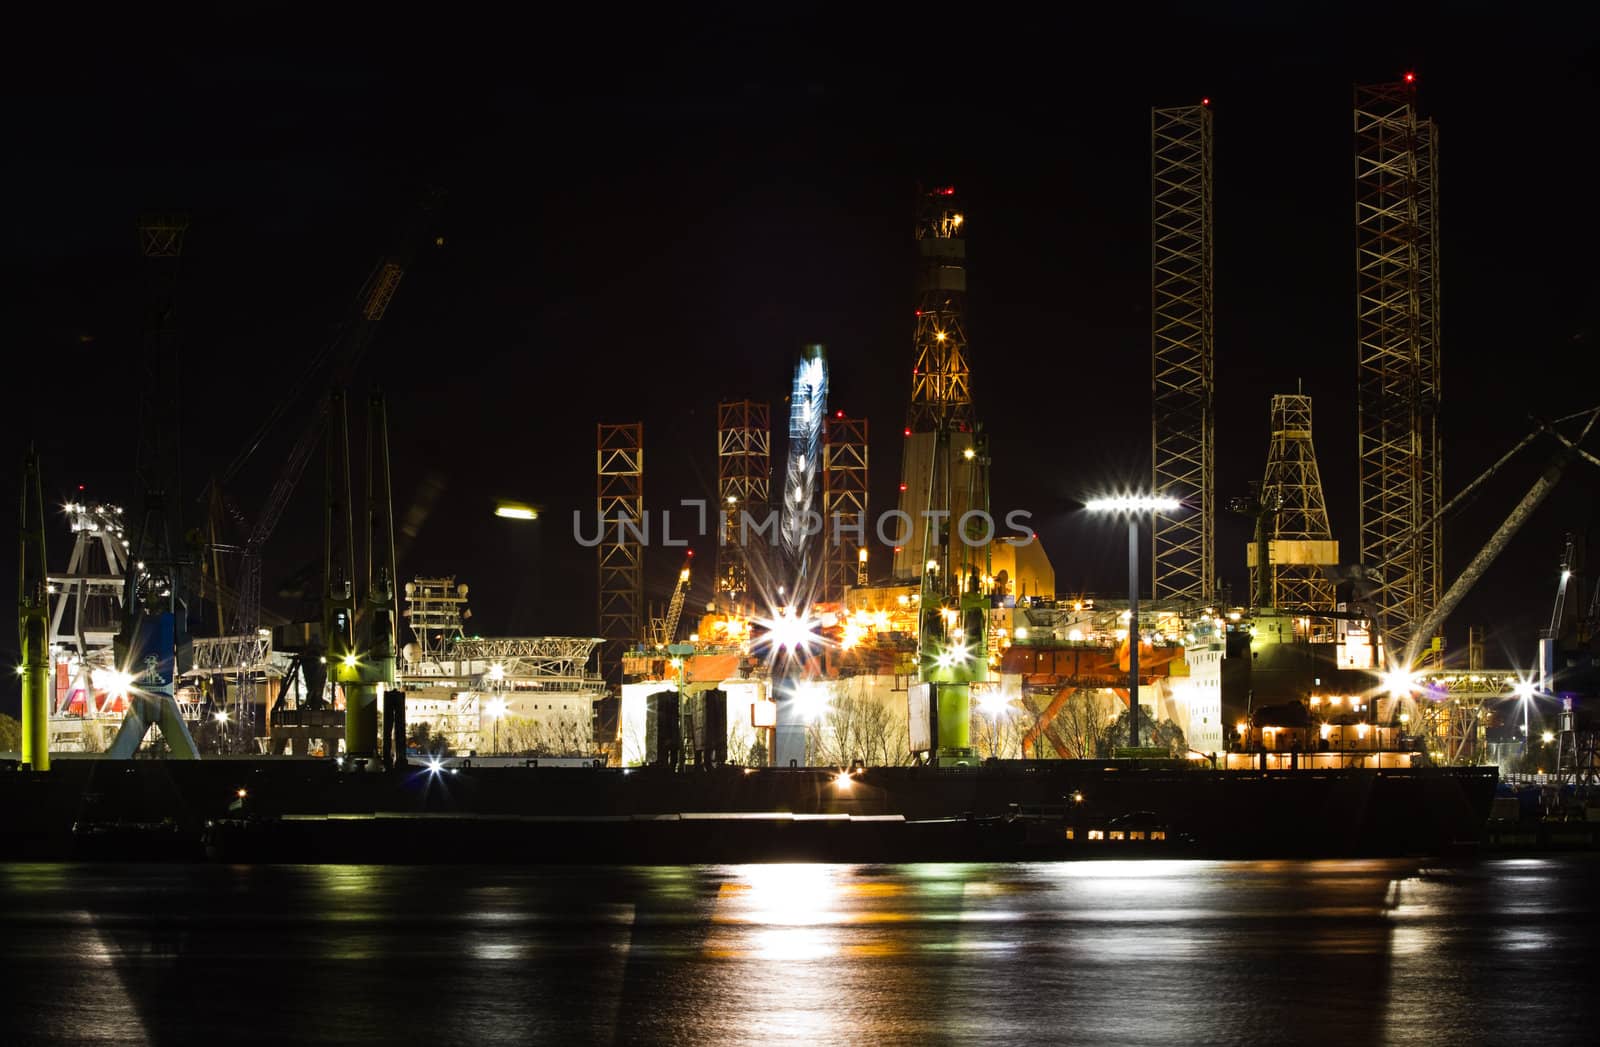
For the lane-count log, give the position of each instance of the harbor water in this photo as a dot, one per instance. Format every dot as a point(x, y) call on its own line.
point(1351, 952)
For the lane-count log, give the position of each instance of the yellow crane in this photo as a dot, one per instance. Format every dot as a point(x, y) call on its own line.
point(666, 629)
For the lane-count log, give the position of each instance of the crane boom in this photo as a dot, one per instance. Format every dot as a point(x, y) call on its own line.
point(675, 608)
point(1497, 542)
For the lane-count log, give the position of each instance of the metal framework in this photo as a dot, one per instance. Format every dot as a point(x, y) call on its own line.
point(436, 609)
point(1577, 751)
point(744, 468)
point(233, 654)
point(619, 467)
point(87, 606)
point(844, 503)
point(1183, 422)
point(1397, 348)
point(552, 662)
point(1448, 715)
point(941, 393)
point(1301, 540)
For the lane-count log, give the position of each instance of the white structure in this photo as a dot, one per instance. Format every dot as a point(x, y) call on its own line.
point(1197, 698)
point(508, 695)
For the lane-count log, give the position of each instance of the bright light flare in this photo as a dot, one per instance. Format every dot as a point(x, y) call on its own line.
point(515, 511)
point(111, 681)
point(1525, 689)
point(435, 765)
point(812, 701)
point(1399, 682)
point(496, 708)
point(790, 633)
point(842, 781)
point(1133, 503)
point(994, 704)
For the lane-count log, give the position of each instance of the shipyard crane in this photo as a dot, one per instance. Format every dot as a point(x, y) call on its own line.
point(152, 648)
point(666, 630)
point(340, 355)
point(1497, 542)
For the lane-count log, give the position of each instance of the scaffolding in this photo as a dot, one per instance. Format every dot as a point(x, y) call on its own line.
point(1300, 541)
point(619, 467)
point(1183, 422)
point(941, 395)
point(436, 612)
point(1397, 321)
point(744, 468)
point(844, 503)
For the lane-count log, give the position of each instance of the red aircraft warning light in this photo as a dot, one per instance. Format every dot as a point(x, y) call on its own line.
point(1411, 78)
point(1205, 101)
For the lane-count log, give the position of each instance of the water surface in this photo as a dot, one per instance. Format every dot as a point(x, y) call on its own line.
point(1088, 952)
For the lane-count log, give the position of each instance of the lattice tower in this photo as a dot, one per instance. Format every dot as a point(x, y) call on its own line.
point(620, 502)
point(1301, 540)
point(844, 503)
point(1183, 422)
point(941, 393)
point(1398, 386)
point(744, 470)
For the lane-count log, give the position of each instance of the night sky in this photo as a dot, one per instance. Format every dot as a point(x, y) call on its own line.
point(645, 218)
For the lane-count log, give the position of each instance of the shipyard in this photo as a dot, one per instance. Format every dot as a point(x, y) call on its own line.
point(815, 521)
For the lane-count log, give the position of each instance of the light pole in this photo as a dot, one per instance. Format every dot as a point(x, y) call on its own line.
point(1132, 506)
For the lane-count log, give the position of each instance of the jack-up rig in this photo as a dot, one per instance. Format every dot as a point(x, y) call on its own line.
point(958, 647)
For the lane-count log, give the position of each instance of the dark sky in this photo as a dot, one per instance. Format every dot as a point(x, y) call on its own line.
point(645, 218)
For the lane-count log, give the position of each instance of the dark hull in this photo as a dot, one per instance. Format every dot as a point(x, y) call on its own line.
point(88, 809)
point(662, 840)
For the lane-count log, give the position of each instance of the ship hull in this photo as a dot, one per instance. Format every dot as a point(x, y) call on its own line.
point(99, 808)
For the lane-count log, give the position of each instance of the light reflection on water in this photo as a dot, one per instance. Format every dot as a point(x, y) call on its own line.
point(1126, 952)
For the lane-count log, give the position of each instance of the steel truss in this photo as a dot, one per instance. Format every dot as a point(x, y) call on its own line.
point(86, 602)
point(233, 654)
point(548, 662)
point(619, 467)
point(1301, 538)
point(744, 470)
point(844, 504)
point(1183, 544)
point(1397, 332)
point(941, 392)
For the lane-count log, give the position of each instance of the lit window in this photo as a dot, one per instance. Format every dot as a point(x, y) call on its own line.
point(1117, 834)
point(1097, 834)
point(1158, 834)
point(1137, 834)
point(1070, 834)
